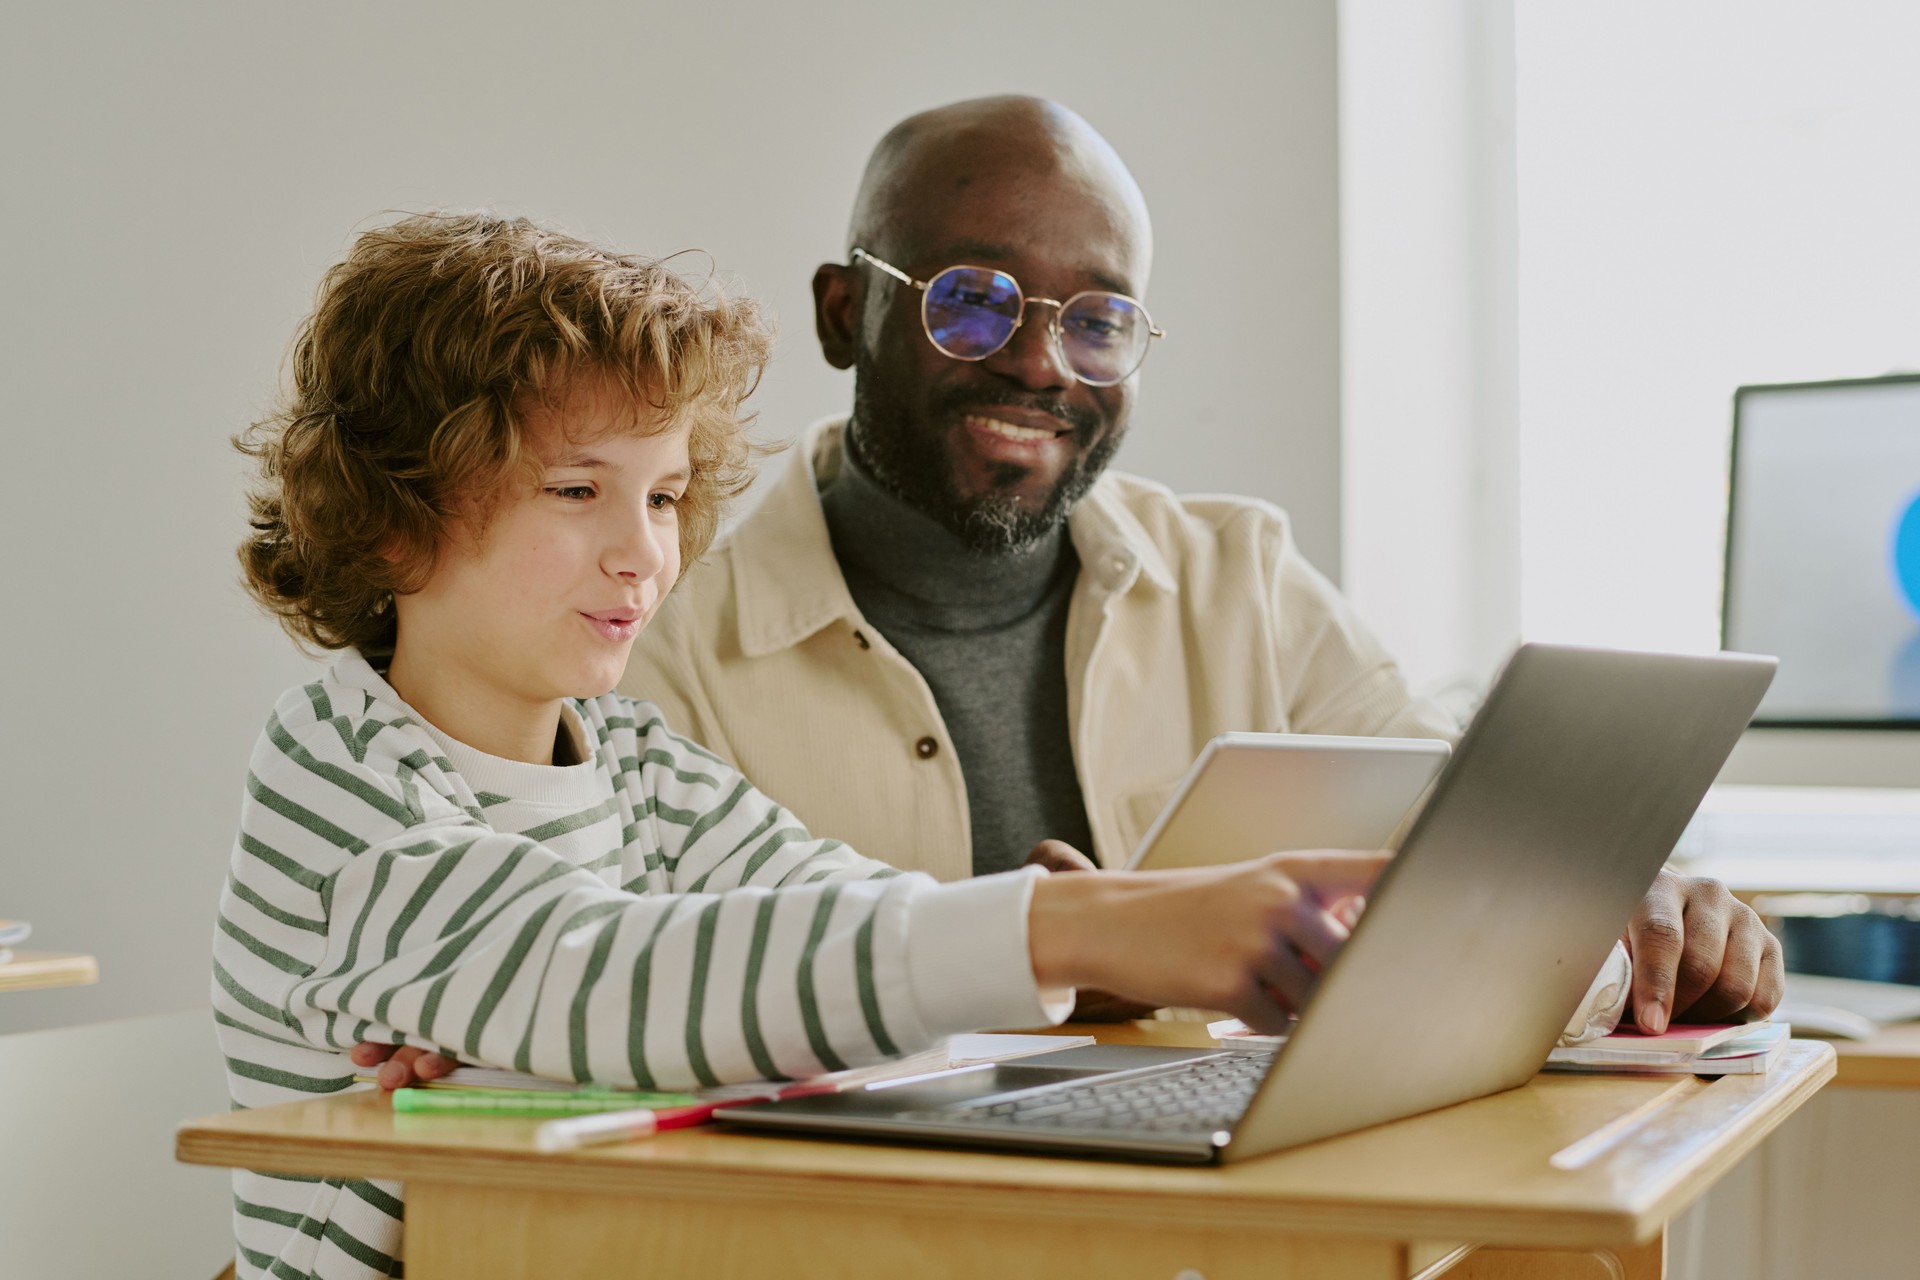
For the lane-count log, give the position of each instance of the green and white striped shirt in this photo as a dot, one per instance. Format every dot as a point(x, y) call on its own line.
point(643, 918)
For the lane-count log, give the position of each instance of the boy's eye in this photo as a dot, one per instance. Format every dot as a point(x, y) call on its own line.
point(571, 492)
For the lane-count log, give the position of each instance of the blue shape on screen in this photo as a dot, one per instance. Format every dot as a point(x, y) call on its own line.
point(1906, 554)
point(1903, 683)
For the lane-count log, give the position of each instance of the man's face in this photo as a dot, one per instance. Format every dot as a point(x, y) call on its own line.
point(997, 450)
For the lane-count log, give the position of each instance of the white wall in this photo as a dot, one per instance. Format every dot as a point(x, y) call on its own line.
point(1711, 194)
point(179, 176)
point(1428, 252)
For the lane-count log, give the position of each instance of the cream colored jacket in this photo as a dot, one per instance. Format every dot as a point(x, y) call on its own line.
point(1193, 616)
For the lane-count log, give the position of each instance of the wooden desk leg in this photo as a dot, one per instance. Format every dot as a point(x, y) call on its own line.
point(483, 1233)
point(1641, 1262)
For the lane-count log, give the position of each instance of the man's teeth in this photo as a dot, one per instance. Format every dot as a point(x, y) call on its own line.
point(1009, 430)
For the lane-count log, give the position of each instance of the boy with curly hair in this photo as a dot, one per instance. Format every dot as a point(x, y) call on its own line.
point(501, 447)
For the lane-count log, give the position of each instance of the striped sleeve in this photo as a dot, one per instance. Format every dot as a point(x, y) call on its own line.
point(775, 954)
point(717, 831)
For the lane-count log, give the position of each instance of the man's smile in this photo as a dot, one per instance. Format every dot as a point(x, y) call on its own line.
point(1014, 435)
point(1012, 431)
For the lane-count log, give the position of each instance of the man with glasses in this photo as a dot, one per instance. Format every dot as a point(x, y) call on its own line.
point(1002, 640)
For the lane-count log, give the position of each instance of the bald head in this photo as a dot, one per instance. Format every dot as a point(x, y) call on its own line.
point(1028, 156)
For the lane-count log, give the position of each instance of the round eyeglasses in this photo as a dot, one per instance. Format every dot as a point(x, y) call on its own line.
point(971, 312)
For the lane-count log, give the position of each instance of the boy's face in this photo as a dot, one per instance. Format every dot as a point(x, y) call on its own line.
point(543, 599)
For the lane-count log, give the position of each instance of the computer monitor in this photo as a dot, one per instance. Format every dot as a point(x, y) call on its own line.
point(1823, 549)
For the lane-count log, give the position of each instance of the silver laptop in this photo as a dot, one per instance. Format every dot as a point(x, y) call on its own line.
point(1543, 834)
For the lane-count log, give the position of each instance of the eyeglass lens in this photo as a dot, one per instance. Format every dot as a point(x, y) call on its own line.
point(971, 312)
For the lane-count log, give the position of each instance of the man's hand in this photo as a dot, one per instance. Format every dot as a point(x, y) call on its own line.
point(402, 1066)
point(1088, 1005)
point(1702, 955)
point(1058, 855)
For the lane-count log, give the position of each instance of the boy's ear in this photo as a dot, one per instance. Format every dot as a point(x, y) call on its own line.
point(836, 311)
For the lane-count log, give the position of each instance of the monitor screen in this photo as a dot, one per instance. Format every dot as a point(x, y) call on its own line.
point(1823, 549)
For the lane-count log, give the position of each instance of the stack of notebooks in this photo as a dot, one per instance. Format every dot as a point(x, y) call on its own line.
point(1747, 1048)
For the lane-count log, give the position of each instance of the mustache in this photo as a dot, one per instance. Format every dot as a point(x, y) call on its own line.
point(962, 401)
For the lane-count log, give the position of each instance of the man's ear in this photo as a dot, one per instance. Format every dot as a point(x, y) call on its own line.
point(836, 312)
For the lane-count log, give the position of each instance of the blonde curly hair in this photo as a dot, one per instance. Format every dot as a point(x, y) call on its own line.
point(410, 383)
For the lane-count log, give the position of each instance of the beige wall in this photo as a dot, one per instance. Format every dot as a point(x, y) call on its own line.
point(178, 176)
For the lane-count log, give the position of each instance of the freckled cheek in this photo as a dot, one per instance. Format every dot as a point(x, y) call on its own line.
point(548, 567)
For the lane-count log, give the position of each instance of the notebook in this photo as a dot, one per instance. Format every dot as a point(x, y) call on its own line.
point(1751, 1053)
point(1679, 1038)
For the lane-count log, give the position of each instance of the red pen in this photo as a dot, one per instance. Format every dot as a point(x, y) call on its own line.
point(574, 1132)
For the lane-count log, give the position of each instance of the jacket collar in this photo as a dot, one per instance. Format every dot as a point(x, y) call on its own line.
point(788, 585)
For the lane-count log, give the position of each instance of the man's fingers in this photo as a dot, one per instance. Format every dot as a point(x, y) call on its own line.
point(1735, 975)
point(1771, 988)
point(1656, 937)
point(1058, 855)
point(1705, 965)
point(1750, 979)
point(1103, 1006)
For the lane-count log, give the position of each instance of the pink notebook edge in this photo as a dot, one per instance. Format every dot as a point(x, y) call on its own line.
point(1682, 1037)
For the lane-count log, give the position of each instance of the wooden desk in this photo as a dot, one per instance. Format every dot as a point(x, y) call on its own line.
point(30, 969)
point(1383, 1204)
point(1891, 1060)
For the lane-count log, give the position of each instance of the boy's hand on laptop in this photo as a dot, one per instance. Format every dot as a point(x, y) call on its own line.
point(1700, 955)
point(401, 1065)
point(1246, 938)
point(1089, 1005)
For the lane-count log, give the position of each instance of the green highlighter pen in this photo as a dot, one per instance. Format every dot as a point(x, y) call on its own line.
point(512, 1102)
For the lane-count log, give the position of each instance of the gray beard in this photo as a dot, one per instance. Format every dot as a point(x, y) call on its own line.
point(915, 471)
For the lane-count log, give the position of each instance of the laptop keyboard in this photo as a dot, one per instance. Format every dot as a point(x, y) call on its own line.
point(1194, 1097)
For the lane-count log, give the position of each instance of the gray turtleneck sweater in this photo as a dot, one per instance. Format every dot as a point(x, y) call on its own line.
point(988, 633)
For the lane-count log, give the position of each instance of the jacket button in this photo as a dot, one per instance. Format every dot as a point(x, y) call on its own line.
point(926, 748)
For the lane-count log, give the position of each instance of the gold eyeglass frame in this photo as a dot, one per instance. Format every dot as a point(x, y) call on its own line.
point(1059, 309)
